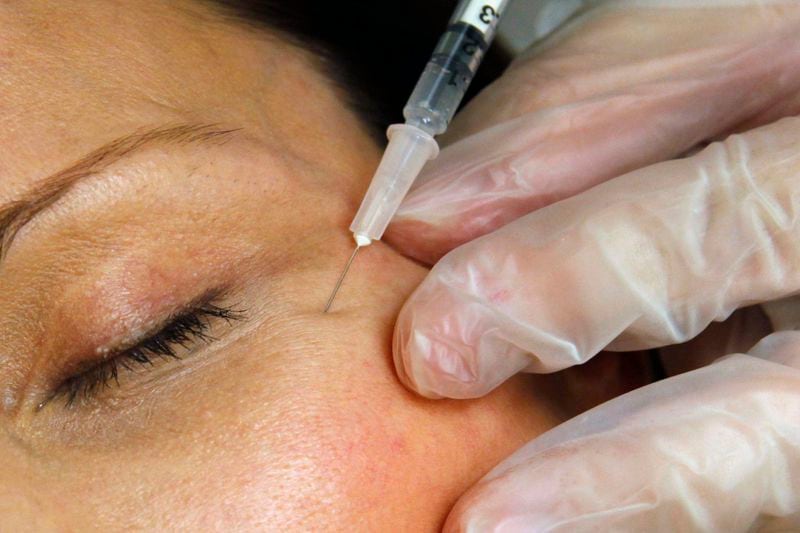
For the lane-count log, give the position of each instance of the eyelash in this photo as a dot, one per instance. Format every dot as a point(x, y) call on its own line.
point(185, 331)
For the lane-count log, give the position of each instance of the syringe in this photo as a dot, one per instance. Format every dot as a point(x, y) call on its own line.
point(428, 112)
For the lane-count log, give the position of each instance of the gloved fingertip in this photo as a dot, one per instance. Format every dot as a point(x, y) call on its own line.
point(446, 344)
point(484, 513)
point(406, 370)
point(432, 366)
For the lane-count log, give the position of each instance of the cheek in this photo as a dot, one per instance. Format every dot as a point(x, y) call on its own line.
point(327, 454)
point(376, 457)
point(340, 457)
point(305, 467)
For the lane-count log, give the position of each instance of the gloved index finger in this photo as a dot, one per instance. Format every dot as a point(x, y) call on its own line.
point(645, 260)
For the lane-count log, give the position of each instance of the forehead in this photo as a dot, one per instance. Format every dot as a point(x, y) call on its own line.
point(76, 75)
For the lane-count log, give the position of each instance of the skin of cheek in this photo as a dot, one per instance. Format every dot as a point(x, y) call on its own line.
point(22, 506)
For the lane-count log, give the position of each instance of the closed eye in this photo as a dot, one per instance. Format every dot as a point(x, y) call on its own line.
point(182, 334)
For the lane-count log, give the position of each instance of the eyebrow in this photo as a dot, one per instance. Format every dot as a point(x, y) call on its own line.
point(15, 214)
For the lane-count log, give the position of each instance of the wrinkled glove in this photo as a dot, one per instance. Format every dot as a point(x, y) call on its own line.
point(716, 449)
point(643, 260)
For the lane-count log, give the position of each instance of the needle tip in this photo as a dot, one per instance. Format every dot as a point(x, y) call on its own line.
point(341, 279)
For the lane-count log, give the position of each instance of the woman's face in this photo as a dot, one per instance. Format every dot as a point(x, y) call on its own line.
point(175, 191)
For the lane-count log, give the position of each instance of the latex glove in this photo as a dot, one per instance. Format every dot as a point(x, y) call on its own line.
point(616, 90)
point(717, 449)
point(644, 260)
point(647, 259)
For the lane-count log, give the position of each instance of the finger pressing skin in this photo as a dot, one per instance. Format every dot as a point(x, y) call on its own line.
point(537, 156)
point(646, 260)
point(716, 449)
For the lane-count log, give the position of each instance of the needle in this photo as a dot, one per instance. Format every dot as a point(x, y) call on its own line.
point(341, 279)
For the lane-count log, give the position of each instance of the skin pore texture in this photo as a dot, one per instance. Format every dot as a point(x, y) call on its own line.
point(235, 173)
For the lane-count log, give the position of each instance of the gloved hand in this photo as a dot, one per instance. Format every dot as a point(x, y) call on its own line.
point(643, 260)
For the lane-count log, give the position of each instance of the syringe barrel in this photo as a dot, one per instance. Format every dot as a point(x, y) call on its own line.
point(428, 112)
point(408, 150)
point(453, 64)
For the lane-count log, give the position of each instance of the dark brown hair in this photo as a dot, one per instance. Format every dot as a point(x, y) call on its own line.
point(373, 49)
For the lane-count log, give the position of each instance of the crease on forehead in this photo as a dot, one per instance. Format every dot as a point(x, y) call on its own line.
point(15, 214)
